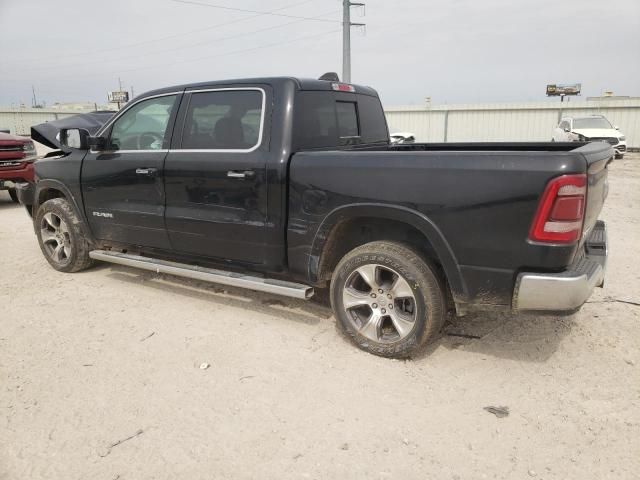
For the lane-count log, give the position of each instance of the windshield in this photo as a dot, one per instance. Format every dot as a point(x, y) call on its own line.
point(594, 122)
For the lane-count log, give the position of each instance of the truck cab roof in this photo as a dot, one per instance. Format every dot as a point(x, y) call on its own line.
point(300, 84)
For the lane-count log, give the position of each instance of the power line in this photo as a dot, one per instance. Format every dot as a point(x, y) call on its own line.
point(190, 2)
point(182, 47)
point(182, 34)
point(292, 40)
point(233, 52)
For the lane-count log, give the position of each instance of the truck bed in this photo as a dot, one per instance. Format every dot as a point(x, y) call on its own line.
point(475, 200)
point(490, 146)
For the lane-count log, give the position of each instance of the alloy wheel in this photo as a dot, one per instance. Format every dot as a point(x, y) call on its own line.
point(56, 237)
point(380, 303)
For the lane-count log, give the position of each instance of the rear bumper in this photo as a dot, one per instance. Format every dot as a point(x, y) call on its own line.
point(565, 291)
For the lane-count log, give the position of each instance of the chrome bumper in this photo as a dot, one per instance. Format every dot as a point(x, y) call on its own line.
point(565, 291)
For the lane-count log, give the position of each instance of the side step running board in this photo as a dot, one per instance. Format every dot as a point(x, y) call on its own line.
point(280, 287)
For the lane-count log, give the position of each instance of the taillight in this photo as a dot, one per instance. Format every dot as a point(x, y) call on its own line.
point(560, 213)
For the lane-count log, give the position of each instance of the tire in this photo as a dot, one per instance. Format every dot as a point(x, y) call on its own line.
point(61, 237)
point(14, 195)
point(414, 307)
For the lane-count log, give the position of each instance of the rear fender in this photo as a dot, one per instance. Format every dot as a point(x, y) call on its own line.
point(398, 213)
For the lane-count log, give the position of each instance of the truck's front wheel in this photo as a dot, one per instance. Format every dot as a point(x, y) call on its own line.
point(60, 235)
point(14, 195)
point(387, 298)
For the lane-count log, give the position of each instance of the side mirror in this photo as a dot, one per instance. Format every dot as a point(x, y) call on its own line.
point(97, 144)
point(75, 138)
point(567, 129)
point(616, 127)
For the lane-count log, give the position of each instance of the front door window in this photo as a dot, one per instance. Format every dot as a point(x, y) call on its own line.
point(144, 126)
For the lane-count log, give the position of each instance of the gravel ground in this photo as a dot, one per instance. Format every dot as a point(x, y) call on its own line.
point(100, 378)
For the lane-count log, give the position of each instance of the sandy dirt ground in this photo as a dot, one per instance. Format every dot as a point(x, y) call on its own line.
point(100, 379)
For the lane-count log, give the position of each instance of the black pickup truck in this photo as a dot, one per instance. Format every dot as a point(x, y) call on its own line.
point(284, 185)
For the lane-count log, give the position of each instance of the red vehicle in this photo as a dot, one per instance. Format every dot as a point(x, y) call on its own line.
point(17, 155)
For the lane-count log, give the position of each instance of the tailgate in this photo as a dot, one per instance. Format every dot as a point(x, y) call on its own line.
point(598, 155)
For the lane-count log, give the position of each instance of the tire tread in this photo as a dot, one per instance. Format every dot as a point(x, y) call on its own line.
point(430, 284)
point(81, 260)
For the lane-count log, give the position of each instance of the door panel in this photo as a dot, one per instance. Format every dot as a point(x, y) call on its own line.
point(123, 187)
point(209, 213)
point(124, 206)
point(216, 188)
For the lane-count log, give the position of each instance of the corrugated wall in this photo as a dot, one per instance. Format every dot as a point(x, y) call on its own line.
point(451, 123)
point(508, 122)
point(19, 120)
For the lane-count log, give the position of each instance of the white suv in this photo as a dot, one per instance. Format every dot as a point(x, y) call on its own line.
point(591, 128)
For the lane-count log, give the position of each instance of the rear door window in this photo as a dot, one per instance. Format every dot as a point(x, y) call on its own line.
point(224, 120)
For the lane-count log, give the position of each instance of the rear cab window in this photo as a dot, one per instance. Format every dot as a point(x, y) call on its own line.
point(347, 121)
point(326, 119)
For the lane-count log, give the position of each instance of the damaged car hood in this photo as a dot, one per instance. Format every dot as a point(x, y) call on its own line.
point(47, 133)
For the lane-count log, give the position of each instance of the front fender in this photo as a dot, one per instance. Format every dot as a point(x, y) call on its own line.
point(50, 184)
point(46, 184)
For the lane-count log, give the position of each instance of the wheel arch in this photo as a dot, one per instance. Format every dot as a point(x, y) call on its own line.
point(49, 189)
point(329, 241)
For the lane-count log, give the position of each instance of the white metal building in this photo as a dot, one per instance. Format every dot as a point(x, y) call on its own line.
point(518, 122)
point(19, 120)
point(500, 122)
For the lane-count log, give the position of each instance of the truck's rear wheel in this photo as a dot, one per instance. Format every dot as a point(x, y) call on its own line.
point(60, 236)
point(387, 298)
point(14, 195)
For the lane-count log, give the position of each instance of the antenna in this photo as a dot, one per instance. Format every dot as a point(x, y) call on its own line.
point(330, 76)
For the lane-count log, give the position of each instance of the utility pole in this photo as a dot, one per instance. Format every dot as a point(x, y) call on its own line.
point(34, 100)
point(119, 90)
point(346, 37)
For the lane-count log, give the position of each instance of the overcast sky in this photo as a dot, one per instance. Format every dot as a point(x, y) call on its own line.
point(454, 51)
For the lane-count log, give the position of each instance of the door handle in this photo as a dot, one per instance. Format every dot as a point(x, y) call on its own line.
point(241, 174)
point(147, 172)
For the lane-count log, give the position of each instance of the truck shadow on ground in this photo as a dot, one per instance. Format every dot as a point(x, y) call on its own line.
point(310, 313)
point(6, 202)
point(528, 338)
